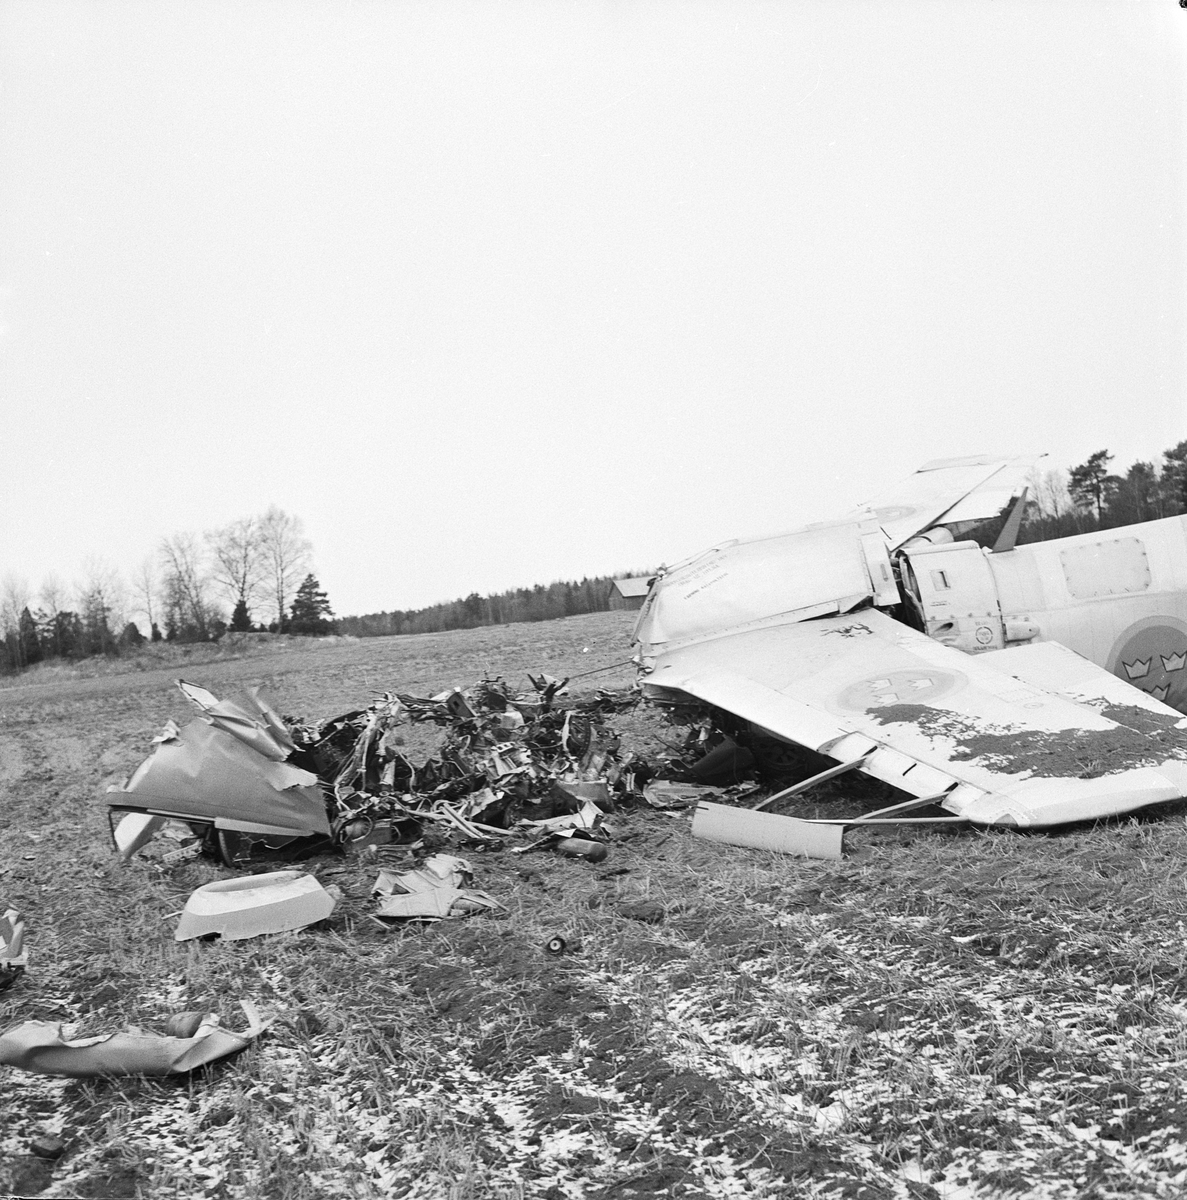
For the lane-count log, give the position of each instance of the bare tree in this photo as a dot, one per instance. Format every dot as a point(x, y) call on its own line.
point(1049, 491)
point(14, 599)
point(52, 595)
point(189, 613)
point(145, 591)
point(286, 553)
point(53, 621)
point(238, 566)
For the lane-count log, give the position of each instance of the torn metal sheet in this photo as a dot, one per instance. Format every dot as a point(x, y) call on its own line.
point(275, 902)
point(581, 790)
point(766, 831)
point(587, 817)
point(13, 958)
point(12, 939)
point(203, 773)
point(438, 889)
point(134, 831)
point(41, 1046)
point(251, 719)
point(670, 794)
point(441, 870)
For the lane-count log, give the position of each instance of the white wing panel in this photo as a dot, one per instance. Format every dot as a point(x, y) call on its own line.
point(1021, 753)
point(1058, 669)
point(973, 489)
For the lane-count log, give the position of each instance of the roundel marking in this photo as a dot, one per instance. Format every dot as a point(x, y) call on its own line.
point(1152, 655)
point(984, 635)
point(920, 685)
point(895, 512)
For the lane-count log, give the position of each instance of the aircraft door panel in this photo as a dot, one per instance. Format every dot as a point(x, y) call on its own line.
point(1019, 582)
point(958, 595)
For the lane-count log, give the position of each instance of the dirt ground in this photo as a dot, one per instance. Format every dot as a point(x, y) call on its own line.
point(941, 1014)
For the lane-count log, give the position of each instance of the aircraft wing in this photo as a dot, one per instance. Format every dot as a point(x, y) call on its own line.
point(1031, 741)
point(954, 489)
point(824, 568)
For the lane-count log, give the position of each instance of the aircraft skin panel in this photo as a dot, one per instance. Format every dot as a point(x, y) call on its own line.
point(1019, 582)
point(1139, 634)
point(1020, 750)
point(981, 504)
point(1057, 669)
point(910, 506)
point(1115, 596)
point(1061, 801)
point(741, 582)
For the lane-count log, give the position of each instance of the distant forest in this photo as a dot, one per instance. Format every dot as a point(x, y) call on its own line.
point(544, 602)
point(257, 563)
point(1090, 496)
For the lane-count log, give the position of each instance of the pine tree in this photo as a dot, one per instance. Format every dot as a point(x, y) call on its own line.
point(1090, 483)
point(31, 651)
point(1174, 478)
point(131, 635)
point(240, 618)
point(68, 635)
point(310, 608)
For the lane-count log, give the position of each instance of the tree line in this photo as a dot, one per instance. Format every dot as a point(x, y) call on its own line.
point(563, 598)
point(254, 574)
point(1059, 503)
point(244, 576)
point(1089, 496)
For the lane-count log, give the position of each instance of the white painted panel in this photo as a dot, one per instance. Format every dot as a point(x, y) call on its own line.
point(958, 715)
point(1110, 567)
point(739, 583)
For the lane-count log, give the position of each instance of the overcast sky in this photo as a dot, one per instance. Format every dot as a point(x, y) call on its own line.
point(492, 294)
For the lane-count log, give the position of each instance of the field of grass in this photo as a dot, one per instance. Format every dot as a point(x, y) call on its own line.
point(942, 1014)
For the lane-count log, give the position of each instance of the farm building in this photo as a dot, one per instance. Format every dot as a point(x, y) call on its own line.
point(629, 593)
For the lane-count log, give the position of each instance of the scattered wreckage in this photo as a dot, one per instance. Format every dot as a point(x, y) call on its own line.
point(248, 788)
point(1026, 685)
point(191, 1040)
point(276, 902)
point(439, 888)
point(1023, 686)
point(253, 787)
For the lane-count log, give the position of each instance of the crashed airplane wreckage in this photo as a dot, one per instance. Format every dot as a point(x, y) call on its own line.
point(1023, 686)
point(227, 773)
point(252, 786)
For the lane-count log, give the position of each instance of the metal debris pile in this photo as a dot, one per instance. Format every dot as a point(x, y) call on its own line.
point(503, 769)
point(507, 761)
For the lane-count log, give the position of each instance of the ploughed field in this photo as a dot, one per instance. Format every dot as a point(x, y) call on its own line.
point(943, 1013)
